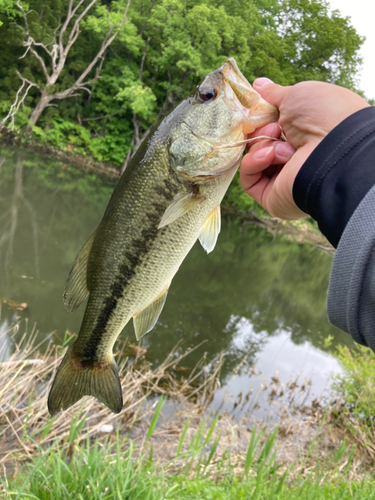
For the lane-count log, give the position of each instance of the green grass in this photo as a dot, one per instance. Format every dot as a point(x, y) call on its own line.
point(115, 469)
point(357, 382)
point(354, 412)
point(76, 462)
point(108, 472)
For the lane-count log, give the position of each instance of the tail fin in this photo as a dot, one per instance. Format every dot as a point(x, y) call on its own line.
point(75, 379)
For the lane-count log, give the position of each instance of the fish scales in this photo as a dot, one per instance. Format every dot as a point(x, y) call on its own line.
point(168, 197)
point(124, 270)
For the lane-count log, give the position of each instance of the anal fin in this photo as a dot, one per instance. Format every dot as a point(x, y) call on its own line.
point(76, 285)
point(146, 319)
point(210, 230)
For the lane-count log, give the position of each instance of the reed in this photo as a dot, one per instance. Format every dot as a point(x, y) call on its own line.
point(26, 375)
point(153, 451)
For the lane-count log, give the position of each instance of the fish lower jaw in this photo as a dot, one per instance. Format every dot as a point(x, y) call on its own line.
point(257, 115)
point(257, 122)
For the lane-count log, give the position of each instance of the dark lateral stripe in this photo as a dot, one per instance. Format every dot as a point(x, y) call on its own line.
point(127, 271)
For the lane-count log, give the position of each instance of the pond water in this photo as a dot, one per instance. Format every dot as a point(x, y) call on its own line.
point(259, 299)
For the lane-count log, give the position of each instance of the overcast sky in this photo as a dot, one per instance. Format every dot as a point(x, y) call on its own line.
point(362, 14)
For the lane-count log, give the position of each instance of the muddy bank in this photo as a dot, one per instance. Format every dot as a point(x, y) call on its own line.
point(300, 231)
point(10, 138)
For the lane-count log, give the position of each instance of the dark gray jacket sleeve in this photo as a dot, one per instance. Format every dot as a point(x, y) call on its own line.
point(351, 293)
point(336, 186)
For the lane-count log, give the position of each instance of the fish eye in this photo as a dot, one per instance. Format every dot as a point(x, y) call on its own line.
point(207, 94)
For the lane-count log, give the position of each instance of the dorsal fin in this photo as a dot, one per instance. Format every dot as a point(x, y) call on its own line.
point(146, 319)
point(76, 285)
point(181, 203)
point(210, 230)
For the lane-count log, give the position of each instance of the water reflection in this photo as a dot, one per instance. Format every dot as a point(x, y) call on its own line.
point(282, 372)
point(241, 299)
point(5, 340)
point(48, 210)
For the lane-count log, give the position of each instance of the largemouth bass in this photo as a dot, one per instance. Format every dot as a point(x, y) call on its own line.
point(167, 198)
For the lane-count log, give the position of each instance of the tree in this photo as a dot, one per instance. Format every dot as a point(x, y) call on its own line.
point(318, 45)
point(183, 42)
point(164, 49)
point(277, 38)
point(56, 51)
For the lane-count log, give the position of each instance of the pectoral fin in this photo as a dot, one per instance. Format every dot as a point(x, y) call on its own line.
point(146, 319)
point(182, 203)
point(76, 286)
point(211, 230)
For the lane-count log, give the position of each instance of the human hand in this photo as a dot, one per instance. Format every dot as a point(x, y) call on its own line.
point(308, 112)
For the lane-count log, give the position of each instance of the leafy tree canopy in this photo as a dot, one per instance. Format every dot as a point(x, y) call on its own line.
point(160, 54)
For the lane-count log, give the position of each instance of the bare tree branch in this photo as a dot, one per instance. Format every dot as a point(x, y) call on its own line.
point(58, 54)
point(73, 35)
point(106, 43)
point(19, 100)
point(66, 23)
point(30, 43)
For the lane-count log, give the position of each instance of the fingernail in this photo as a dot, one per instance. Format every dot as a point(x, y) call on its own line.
point(262, 153)
point(262, 82)
point(284, 150)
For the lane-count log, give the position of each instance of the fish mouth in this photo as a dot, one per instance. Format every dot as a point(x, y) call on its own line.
point(256, 110)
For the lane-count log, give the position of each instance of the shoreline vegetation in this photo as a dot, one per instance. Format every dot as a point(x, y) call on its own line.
point(85, 84)
point(248, 213)
point(13, 138)
point(168, 442)
point(117, 69)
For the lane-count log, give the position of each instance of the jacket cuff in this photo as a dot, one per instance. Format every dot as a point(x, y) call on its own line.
point(338, 174)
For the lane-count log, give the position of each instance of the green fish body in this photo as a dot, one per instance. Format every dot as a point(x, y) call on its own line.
point(167, 198)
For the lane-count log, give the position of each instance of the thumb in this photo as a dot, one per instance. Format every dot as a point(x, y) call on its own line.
point(271, 92)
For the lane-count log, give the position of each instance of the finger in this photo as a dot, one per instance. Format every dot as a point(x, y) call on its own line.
point(266, 153)
point(271, 92)
point(271, 130)
point(258, 186)
point(252, 178)
point(265, 143)
point(261, 167)
point(273, 187)
point(272, 170)
point(283, 151)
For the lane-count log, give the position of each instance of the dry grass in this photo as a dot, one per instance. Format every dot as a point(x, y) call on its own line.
point(307, 435)
point(358, 432)
point(25, 379)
